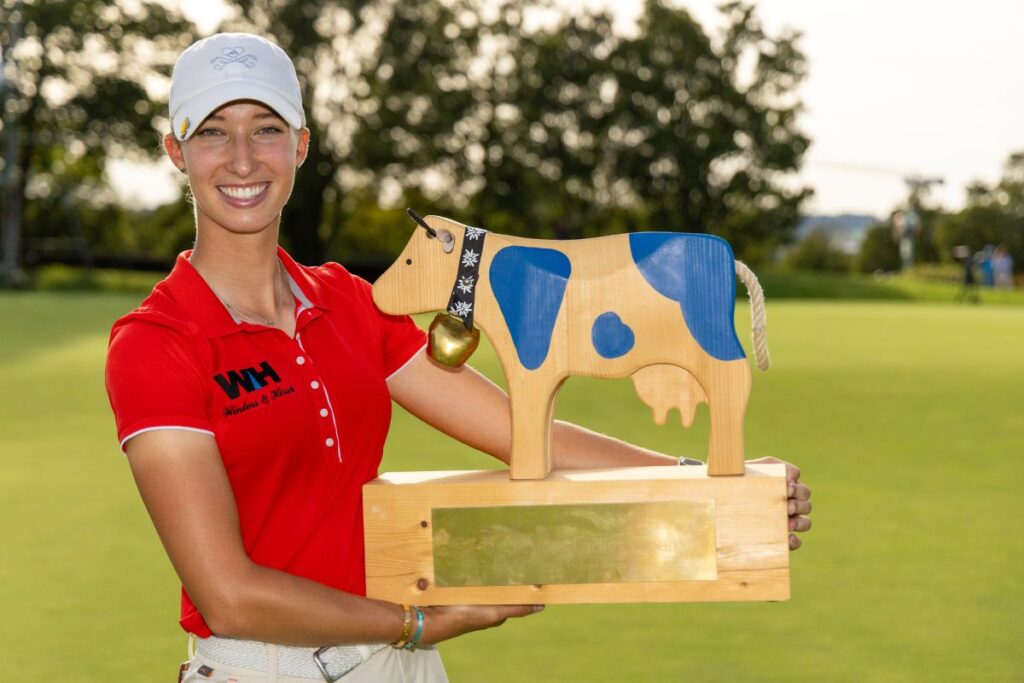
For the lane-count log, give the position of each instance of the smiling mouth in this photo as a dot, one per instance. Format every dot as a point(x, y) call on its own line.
point(243, 192)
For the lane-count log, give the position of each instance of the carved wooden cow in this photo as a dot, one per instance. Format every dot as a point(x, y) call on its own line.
point(655, 305)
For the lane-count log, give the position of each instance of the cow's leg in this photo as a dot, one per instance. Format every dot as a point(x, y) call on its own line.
point(532, 411)
point(727, 385)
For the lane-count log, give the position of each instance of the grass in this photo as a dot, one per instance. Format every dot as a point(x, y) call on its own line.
point(919, 285)
point(904, 417)
point(934, 284)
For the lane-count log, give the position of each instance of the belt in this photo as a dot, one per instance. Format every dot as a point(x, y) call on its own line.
point(326, 663)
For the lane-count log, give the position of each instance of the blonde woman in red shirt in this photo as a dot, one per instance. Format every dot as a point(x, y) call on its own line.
point(253, 395)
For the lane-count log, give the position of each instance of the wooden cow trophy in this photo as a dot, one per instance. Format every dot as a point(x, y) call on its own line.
point(655, 306)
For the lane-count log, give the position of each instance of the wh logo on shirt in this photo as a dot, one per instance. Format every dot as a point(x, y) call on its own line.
point(249, 379)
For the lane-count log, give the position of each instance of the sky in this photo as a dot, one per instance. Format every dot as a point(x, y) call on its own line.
point(896, 87)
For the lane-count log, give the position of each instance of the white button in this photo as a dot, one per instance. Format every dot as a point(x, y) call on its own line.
point(323, 412)
point(300, 360)
point(314, 384)
point(329, 442)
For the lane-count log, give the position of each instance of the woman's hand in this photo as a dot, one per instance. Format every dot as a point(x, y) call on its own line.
point(799, 500)
point(445, 622)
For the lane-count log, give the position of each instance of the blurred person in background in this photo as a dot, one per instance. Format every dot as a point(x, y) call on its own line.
point(988, 273)
point(1002, 267)
point(968, 289)
point(252, 397)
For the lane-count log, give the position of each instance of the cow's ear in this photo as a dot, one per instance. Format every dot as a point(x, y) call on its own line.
point(447, 240)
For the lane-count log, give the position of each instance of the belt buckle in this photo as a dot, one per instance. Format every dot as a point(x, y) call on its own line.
point(322, 665)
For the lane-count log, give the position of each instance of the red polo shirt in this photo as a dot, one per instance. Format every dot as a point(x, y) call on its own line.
point(300, 423)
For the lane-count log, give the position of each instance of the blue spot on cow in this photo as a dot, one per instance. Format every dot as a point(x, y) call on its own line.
point(698, 272)
point(612, 338)
point(529, 284)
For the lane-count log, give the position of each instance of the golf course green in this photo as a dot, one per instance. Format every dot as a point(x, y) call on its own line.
point(905, 417)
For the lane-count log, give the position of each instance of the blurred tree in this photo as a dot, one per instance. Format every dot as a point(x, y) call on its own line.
point(879, 252)
point(562, 130)
point(81, 80)
point(566, 129)
point(993, 215)
point(583, 131)
point(703, 143)
point(816, 252)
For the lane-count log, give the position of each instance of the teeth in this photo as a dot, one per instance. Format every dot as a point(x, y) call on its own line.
point(247, 192)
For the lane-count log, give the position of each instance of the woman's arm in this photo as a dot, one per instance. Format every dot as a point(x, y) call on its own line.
point(469, 407)
point(183, 484)
point(474, 410)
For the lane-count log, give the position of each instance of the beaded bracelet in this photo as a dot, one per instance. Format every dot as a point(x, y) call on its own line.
point(411, 645)
point(406, 627)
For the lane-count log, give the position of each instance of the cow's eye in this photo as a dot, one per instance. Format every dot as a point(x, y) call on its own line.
point(408, 261)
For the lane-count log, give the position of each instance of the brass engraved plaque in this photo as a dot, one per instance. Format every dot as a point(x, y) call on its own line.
point(571, 544)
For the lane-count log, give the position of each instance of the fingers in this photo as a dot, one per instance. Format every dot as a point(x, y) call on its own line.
point(515, 611)
point(798, 491)
point(799, 524)
point(799, 507)
point(444, 622)
point(799, 504)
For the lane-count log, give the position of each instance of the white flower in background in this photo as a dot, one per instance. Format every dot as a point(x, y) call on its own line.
point(465, 284)
point(469, 258)
point(462, 308)
point(473, 233)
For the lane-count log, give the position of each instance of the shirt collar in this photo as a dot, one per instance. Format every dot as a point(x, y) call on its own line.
point(199, 302)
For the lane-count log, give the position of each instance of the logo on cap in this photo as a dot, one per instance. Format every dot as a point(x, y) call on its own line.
point(232, 55)
point(184, 127)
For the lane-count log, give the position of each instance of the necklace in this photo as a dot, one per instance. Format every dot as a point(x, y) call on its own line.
point(249, 316)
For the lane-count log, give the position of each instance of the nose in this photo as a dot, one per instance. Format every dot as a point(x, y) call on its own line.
point(243, 157)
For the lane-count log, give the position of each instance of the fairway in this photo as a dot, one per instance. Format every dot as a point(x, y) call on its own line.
point(905, 417)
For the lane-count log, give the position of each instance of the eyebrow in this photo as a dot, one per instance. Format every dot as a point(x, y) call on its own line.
point(261, 115)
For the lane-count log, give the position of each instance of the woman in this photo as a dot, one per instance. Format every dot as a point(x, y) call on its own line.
point(252, 398)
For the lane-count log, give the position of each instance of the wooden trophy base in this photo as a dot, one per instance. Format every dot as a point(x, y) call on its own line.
point(643, 534)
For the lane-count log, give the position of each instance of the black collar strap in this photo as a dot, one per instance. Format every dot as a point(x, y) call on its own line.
point(463, 298)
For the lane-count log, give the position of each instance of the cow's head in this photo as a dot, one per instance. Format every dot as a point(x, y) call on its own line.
point(422, 277)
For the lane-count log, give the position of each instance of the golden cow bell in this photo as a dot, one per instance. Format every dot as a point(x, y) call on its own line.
point(450, 343)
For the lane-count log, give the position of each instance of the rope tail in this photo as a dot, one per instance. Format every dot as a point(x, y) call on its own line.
point(757, 314)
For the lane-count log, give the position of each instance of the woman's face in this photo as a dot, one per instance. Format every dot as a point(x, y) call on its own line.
point(241, 165)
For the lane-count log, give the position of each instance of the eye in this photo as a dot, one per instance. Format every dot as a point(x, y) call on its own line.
point(208, 132)
point(270, 130)
point(408, 261)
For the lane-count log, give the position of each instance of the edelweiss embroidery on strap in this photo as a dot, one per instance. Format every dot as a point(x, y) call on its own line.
point(460, 303)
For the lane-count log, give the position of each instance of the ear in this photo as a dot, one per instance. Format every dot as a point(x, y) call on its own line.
point(302, 149)
point(173, 149)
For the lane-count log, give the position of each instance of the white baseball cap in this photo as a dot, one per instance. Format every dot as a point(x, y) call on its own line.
point(232, 66)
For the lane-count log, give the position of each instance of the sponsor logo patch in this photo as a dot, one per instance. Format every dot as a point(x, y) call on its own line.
point(249, 379)
point(233, 55)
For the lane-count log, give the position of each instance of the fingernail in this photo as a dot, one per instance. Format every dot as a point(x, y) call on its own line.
point(791, 491)
point(792, 524)
point(792, 508)
point(538, 608)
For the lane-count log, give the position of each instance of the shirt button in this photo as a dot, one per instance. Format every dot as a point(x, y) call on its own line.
point(323, 412)
point(300, 360)
point(314, 385)
point(329, 442)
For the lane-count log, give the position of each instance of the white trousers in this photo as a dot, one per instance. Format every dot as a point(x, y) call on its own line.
point(386, 666)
